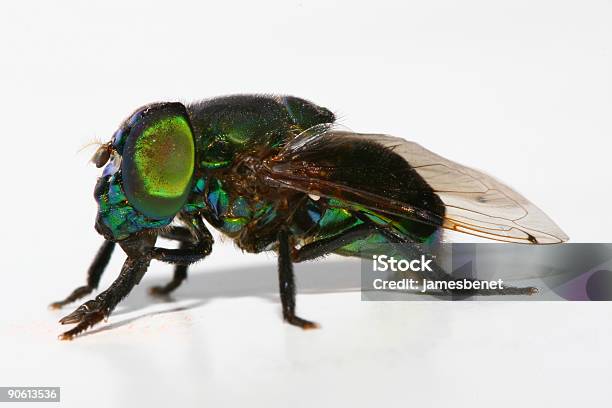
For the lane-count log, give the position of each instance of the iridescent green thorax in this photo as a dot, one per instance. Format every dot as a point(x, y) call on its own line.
point(229, 126)
point(232, 212)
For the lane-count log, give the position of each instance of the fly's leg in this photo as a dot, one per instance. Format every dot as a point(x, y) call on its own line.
point(191, 252)
point(286, 282)
point(403, 244)
point(316, 249)
point(196, 243)
point(180, 275)
point(140, 251)
point(411, 249)
point(186, 239)
point(100, 308)
point(103, 257)
point(326, 246)
point(93, 275)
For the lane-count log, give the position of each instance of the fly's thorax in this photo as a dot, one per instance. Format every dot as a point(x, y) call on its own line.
point(228, 127)
point(227, 209)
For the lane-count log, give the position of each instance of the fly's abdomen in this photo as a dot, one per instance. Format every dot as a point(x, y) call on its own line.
point(327, 218)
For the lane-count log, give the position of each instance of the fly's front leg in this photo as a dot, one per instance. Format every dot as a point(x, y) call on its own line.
point(140, 251)
point(134, 268)
point(187, 239)
point(93, 275)
point(286, 282)
point(191, 252)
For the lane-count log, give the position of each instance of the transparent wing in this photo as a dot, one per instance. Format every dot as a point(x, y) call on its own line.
point(475, 203)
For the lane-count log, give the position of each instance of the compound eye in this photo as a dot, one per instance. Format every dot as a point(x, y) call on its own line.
point(158, 161)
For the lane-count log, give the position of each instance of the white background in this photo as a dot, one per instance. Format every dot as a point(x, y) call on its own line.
point(521, 89)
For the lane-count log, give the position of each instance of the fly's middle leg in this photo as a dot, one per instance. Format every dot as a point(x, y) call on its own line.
point(286, 281)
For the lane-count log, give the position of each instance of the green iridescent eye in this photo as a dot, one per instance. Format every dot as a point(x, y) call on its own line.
point(158, 160)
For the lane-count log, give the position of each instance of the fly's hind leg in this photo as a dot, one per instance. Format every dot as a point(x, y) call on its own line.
point(405, 245)
point(411, 250)
point(93, 275)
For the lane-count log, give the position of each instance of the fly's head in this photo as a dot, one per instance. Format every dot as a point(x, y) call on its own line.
point(148, 171)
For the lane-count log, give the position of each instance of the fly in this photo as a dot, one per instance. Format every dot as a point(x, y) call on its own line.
point(274, 174)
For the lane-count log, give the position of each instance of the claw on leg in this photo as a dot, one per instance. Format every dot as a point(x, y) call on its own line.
point(287, 284)
point(134, 267)
point(302, 323)
point(160, 291)
point(180, 274)
point(86, 315)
